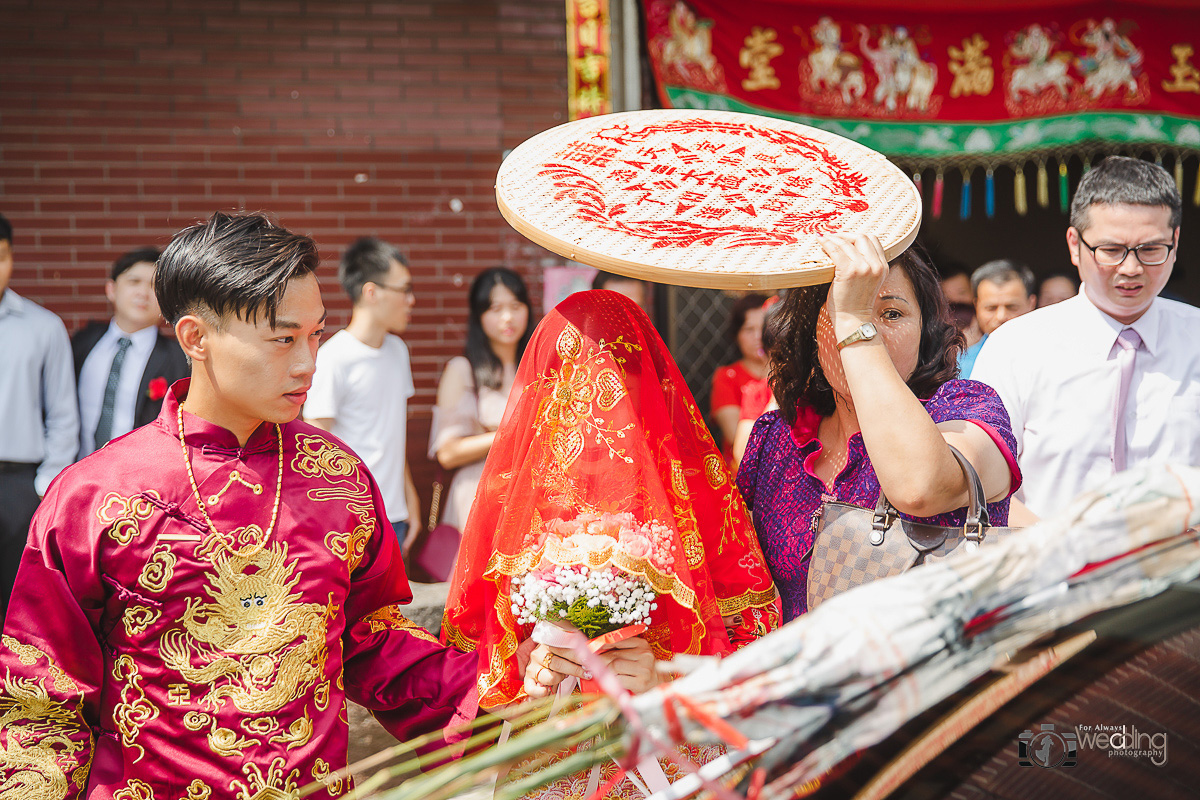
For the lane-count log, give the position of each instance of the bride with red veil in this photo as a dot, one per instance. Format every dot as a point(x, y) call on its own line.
point(600, 422)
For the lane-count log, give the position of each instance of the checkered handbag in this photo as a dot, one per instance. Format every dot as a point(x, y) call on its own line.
point(855, 545)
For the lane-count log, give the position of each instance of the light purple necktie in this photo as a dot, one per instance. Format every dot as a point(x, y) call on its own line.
point(1129, 342)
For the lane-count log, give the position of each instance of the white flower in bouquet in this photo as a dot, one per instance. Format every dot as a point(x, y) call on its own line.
point(600, 599)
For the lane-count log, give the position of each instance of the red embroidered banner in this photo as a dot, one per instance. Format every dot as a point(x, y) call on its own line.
point(588, 58)
point(992, 81)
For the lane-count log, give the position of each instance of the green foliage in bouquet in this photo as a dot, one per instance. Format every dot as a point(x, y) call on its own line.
point(590, 621)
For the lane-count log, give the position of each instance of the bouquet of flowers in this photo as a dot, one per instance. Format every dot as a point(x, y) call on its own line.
point(594, 574)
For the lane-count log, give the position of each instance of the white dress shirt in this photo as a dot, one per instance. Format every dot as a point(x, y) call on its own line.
point(93, 380)
point(1056, 371)
point(39, 422)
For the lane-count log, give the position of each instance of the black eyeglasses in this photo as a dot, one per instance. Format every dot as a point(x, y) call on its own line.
point(401, 289)
point(1151, 254)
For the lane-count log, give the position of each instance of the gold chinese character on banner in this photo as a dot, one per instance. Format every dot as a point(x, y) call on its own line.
point(760, 47)
point(590, 67)
point(589, 102)
point(588, 58)
point(1184, 76)
point(973, 73)
point(589, 34)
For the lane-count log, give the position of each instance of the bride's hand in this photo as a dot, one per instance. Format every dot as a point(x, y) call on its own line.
point(548, 667)
point(634, 663)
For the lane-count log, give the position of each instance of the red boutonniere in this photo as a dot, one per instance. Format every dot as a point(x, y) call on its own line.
point(158, 388)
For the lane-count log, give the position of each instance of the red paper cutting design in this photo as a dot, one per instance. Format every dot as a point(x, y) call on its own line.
point(735, 193)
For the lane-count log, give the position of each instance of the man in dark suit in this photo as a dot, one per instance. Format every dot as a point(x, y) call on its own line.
point(124, 366)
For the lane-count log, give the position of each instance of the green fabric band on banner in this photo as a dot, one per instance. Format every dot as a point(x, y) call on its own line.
point(932, 139)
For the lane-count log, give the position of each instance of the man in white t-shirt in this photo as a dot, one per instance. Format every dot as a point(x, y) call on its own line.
point(363, 377)
point(1108, 379)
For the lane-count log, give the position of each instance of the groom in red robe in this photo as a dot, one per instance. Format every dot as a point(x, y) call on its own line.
point(199, 598)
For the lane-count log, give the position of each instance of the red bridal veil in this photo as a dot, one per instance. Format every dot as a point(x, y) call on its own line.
point(601, 421)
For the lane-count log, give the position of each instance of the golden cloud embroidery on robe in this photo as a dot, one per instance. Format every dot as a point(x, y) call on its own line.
point(297, 734)
point(122, 516)
point(254, 643)
point(133, 711)
point(158, 570)
point(315, 457)
point(138, 618)
point(321, 772)
point(135, 790)
point(198, 790)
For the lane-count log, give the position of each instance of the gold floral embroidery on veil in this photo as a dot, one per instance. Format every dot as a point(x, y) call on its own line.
point(583, 388)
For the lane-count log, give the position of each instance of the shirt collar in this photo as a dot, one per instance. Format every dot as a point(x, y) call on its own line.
point(11, 303)
point(142, 341)
point(1104, 330)
point(199, 432)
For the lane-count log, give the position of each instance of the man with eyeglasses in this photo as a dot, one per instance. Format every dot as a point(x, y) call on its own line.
point(364, 378)
point(1108, 379)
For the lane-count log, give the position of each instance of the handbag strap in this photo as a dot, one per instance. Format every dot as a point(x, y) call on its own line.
point(435, 502)
point(977, 521)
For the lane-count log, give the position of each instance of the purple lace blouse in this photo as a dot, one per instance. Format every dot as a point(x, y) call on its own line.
point(784, 495)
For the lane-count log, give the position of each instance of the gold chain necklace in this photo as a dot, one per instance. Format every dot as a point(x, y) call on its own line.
point(254, 546)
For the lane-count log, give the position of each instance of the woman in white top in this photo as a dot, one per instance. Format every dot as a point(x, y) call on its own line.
point(474, 387)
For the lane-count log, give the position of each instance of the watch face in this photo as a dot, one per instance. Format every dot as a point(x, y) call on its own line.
point(868, 330)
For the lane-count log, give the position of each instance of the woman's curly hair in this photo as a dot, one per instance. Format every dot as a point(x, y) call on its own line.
point(796, 376)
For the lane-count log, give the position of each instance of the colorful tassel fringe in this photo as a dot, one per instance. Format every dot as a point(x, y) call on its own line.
point(964, 208)
point(989, 194)
point(1019, 196)
point(1063, 199)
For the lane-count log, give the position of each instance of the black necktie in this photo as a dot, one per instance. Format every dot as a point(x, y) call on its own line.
point(104, 426)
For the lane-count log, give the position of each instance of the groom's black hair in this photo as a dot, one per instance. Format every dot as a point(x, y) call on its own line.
point(231, 264)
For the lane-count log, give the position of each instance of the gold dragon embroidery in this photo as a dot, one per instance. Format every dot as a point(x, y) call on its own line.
point(42, 740)
point(389, 618)
point(254, 643)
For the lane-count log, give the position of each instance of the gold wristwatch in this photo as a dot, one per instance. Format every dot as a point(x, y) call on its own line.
point(865, 332)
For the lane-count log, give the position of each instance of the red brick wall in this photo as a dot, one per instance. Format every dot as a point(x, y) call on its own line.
point(122, 121)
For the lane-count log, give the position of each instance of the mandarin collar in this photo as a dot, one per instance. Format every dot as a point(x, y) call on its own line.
point(209, 437)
